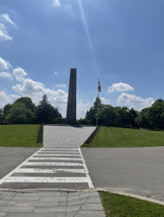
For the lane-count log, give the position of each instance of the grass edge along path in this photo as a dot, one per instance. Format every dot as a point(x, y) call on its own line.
point(124, 137)
point(19, 135)
point(125, 206)
point(91, 137)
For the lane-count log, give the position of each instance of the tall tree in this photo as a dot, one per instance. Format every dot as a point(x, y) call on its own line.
point(46, 113)
point(18, 113)
point(142, 120)
point(6, 109)
point(27, 102)
point(92, 113)
point(1, 116)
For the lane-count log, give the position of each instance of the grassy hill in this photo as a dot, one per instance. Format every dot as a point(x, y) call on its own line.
point(19, 135)
point(123, 137)
point(121, 206)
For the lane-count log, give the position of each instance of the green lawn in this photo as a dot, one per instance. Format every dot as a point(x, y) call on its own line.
point(123, 137)
point(19, 135)
point(123, 206)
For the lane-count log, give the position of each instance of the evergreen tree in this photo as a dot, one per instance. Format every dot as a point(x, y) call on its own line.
point(46, 113)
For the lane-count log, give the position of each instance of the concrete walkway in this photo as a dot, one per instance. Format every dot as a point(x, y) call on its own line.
point(66, 136)
point(59, 165)
point(50, 204)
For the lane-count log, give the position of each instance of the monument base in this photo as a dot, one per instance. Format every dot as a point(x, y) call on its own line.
point(71, 121)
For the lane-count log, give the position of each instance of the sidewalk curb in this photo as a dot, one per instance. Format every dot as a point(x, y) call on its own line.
point(87, 190)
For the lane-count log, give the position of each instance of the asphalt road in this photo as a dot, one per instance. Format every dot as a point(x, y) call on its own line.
point(10, 158)
point(132, 170)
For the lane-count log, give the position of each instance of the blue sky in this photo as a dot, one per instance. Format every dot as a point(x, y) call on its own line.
point(120, 42)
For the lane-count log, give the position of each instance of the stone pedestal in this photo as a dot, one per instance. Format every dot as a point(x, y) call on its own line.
point(71, 104)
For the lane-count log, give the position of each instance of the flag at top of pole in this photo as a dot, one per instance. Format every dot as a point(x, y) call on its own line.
point(99, 86)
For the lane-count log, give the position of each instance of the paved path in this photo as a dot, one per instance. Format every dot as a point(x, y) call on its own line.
point(54, 166)
point(66, 136)
point(50, 204)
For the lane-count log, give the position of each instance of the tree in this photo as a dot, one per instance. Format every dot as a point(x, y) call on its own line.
point(6, 109)
point(152, 117)
point(1, 116)
point(107, 115)
point(91, 115)
point(19, 114)
point(17, 109)
point(142, 119)
point(156, 115)
point(132, 118)
point(27, 102)
point(46, 113)
point(112, 116)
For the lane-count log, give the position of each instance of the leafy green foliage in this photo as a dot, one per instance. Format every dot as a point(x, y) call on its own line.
point(111, 116)
point(83, 121)
point(124, 137)
point(27, 102)
point(1, 116)
point(153, 117)
point(148, 118)
point(6, 110)
point(123, 206)
point(24, 111)
point(59, 120)
point(91, 115)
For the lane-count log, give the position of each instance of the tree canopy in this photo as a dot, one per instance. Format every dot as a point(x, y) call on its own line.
point(149, 118)
point(24, 111)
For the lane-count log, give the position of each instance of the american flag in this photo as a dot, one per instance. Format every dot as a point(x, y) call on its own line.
point(99, 86)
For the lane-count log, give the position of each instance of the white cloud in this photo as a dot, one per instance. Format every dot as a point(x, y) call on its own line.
point(82, 109)
point(4, 34)
point(56, 3)
point(6, 75)
point(60, 85)
point(59, 100)
point(134, 101)
point(6, 18)
point(29, 87)
point(36, 90)
point(19, 74)
point(120, 87)
point(5, 99)
point(105, 101)
point(56, 73)
point(4, 64)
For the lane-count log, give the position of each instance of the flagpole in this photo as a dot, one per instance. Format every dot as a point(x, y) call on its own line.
point(97, 105)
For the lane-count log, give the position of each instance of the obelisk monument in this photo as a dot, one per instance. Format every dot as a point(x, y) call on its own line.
point(71, 104)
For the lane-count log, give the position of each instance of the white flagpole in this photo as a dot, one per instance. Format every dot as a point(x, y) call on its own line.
point(97, 105)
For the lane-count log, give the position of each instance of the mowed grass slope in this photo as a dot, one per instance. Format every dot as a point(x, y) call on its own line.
point(19, 135)
point(123, 206)
point(123, 137)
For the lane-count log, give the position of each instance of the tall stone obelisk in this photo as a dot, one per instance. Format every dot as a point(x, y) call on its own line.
point(71, 104)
